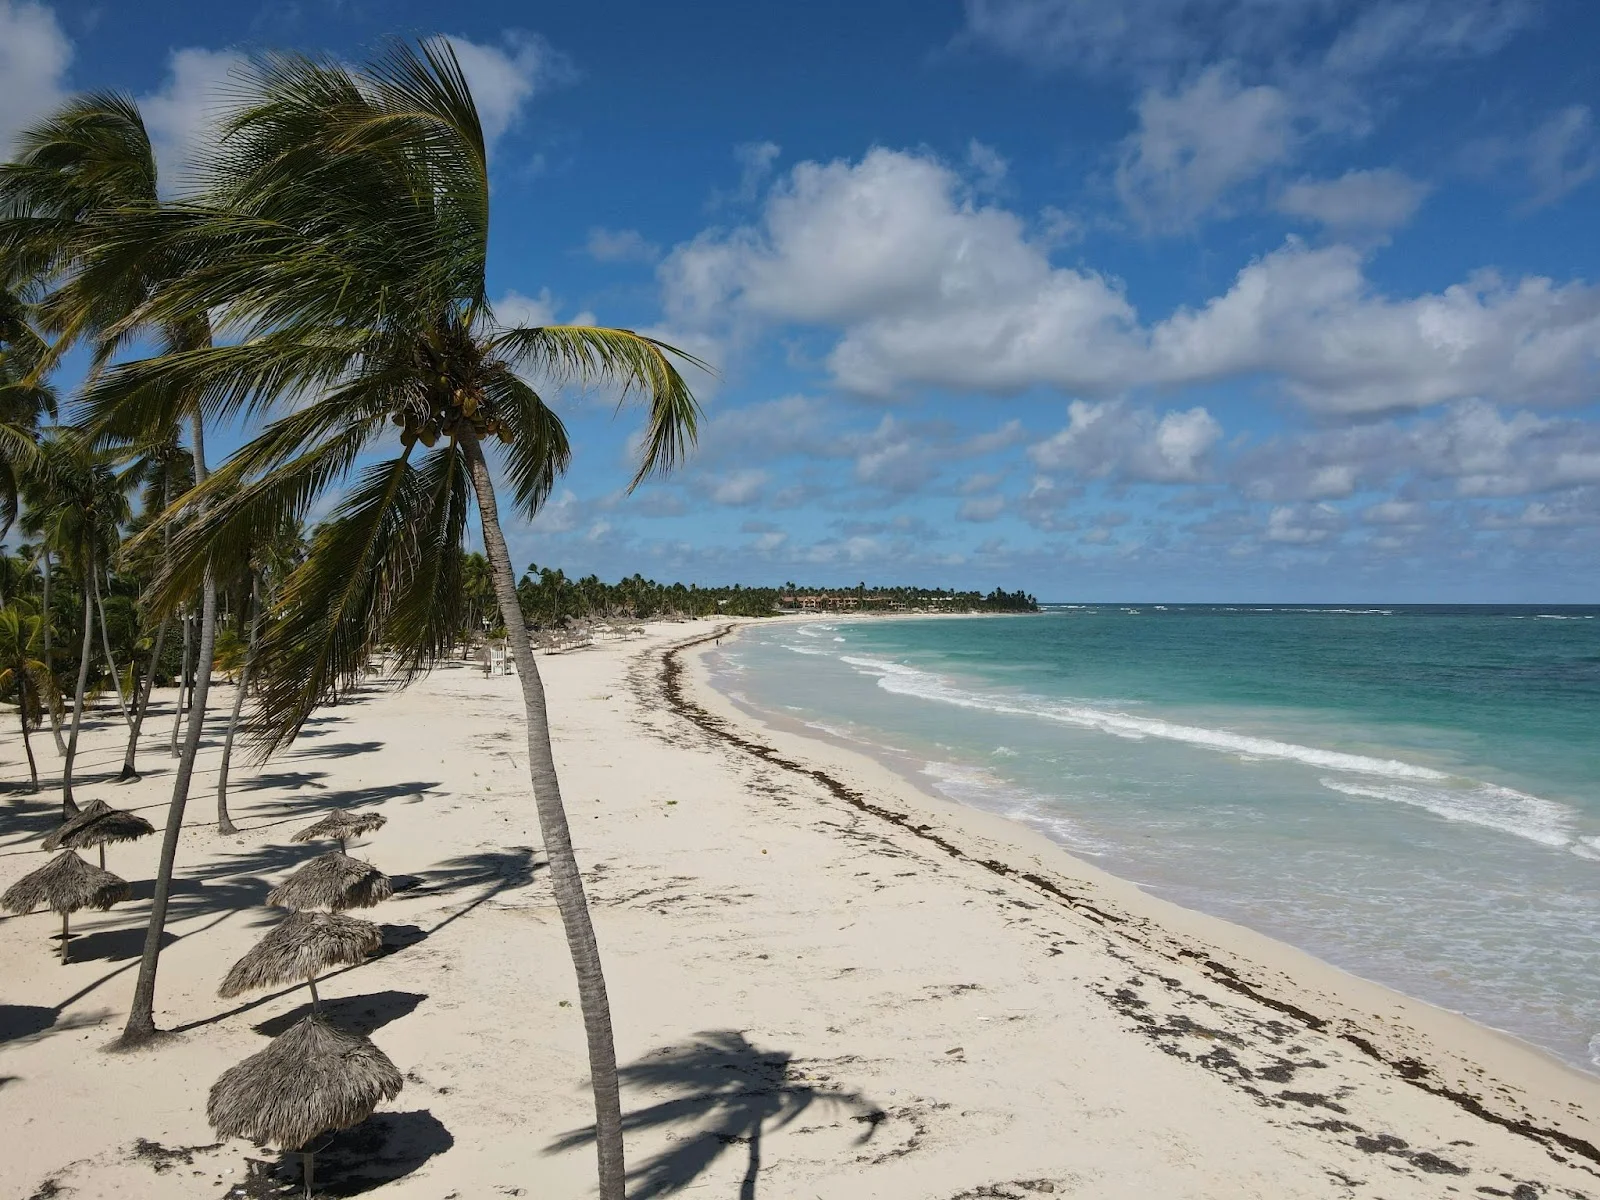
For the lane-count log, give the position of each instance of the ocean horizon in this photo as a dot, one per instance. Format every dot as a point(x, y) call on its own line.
point(1409, 792)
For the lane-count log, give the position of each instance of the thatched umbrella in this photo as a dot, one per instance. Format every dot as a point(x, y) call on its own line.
point(65, 884)
point(332, 881)
point(97, 825)
point(311, 1079)
point(300, 947)
point(340, 827)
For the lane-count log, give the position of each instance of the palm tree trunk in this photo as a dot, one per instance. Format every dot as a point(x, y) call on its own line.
point(22, 710)
point(129, 771)
point(183, 682)
point(69, 806)
point(49, 662)
point(224, 818)
point(141, 1026)
point(105, 644)
point(565, 879)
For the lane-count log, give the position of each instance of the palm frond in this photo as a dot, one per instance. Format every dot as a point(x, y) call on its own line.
point(536, 449)
point(627, 360)
point(333, 607)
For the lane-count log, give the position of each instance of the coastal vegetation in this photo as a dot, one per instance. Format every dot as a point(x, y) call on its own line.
point(549, 598)
point(323, 288)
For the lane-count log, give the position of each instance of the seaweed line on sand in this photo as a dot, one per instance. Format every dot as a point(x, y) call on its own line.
point(1409, 1069)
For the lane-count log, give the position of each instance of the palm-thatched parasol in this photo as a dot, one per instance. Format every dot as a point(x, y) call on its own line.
point(341, 827)
point(97, 825)
point(65, 884)
point(332, 881)
point(311, 1079)
point(300, 947)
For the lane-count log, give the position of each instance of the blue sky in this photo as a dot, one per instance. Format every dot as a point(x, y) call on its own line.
point(1150, 299)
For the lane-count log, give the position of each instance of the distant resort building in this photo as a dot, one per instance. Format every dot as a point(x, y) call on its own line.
point(850, 602)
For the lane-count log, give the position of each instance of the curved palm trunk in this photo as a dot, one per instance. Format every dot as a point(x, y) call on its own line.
point(105, 644)
point(22, 711)
point(224, 818)
point(129, 770)
point(69, 806)
point(565, 879)
point(141, 1026)
point(183, 682)
point(49, 661)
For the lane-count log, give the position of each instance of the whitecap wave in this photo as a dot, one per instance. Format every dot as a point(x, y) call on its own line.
point(1453, 798)
point(807, 650)
point(909, 681)
point(1484, 804)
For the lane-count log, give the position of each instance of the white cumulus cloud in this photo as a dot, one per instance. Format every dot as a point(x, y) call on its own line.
point(1196, 144)
point(925, 285)
point(1357, 201)
point(34, 56)
point(506, 76)
point(1113, 440)
point(182, 114)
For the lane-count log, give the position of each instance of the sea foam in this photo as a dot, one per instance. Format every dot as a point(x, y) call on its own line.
point(1453, 798)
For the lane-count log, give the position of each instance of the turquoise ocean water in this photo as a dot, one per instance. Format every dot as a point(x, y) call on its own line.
point(1411, 793)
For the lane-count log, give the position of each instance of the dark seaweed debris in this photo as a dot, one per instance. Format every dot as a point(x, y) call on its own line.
point(1408, 1069)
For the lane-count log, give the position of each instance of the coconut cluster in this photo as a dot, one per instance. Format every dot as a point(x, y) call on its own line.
point(466, 410)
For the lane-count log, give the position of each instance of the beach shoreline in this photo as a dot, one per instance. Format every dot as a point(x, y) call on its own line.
point(850, 749)
point(821, 980)
point(1427, 1045)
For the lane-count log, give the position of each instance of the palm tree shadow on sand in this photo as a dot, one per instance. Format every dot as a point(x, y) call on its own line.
point(731, 1091)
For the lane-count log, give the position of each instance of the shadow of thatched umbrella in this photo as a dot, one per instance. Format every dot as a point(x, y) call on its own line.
point(341, 827)
point(332, 881)
point(65, 884)
point(312, 1079)
point(99, 825)
point(301, 947)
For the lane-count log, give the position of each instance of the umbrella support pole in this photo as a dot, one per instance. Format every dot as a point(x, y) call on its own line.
point(64, 936)
point(316, 1002)
point(102, 856)
point(307, 1159)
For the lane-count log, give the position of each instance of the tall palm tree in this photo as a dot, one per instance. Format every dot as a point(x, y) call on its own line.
point(24, 396)
point(164, 468)
point(79, 504)
point(342, 252)
point(22, 668)
point(114, 675)
point(75, 207)
point(25, 399)
point(269, 564)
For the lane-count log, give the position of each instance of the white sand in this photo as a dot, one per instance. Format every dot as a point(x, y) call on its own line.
point(874, 1003)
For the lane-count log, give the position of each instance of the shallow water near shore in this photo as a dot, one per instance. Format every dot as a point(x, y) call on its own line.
point(1411, 793)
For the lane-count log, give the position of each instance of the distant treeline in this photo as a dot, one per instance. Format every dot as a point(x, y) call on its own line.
point(550, 598)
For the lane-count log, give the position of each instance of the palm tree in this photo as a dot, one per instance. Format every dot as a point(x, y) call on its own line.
point(78, 504)
point(270, 563)
point(164, 468)
point(75, 209)
point(22, 668)
point(24, 397)
point(342, 250)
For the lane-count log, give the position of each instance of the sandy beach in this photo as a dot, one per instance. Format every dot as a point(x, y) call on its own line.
point(825, 982)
